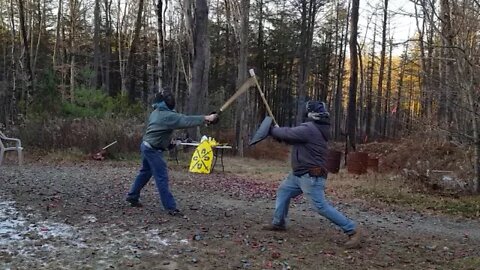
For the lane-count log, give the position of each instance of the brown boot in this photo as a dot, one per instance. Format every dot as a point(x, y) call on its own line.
point(355, 240)
point(273, 227)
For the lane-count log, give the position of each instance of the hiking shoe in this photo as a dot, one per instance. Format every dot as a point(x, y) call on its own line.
point(134, 202)
point(355, 239)
point(175, 213)
point(273, 227)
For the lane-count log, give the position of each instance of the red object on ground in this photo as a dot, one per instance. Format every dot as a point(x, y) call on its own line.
point(100, 155)
point(357, 162)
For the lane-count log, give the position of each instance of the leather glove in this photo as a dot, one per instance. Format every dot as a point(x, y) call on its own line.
point(212, 118)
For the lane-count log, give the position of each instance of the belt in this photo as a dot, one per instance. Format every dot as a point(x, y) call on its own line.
point(318, 172)
point(147, 144)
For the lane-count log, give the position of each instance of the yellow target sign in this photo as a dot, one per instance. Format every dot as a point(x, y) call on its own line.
point(202, 158)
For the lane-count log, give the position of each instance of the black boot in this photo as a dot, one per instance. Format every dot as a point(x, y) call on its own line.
point(175, 212)
point(134, 202)
point(273, 227)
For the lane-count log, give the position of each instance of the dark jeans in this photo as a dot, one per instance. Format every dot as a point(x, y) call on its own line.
point(153, 164)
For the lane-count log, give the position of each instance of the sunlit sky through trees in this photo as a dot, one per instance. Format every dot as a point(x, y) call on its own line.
point(402, 24)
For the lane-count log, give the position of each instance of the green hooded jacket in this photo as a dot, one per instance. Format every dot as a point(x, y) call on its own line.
point(163, 121)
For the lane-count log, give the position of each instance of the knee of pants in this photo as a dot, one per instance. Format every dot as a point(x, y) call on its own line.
point(283, 193)
point(321, 206)
point(163, 187)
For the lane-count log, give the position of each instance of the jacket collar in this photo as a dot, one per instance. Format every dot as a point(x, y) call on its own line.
point(161, 106)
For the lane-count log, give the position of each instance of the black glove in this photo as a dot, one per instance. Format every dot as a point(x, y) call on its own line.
point(215, 121)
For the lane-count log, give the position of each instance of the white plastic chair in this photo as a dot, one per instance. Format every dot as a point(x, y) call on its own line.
point(3, 148)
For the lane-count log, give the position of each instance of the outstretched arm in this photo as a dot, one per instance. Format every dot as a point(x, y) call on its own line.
point(293, 135)
point(181, 121)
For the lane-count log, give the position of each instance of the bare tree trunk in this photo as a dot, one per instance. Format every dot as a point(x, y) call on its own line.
point(145, 91)
point(476, 183)
point(131, 63)
point(426, 50)
point(189, 25)
point(228, 48)
point(476, 137)
point(41, 20)
point(72, 76)
point(160, 41)
point(430, 67)
point(242, 107)
point(410, 101)
point(386, 122)
point(57, 33)
point(447, 42)
point(260, 60)
point(360, 110)
point(421, 44)
point(325, 69)
point(371, 69)
point(108, 47)
point(308, 13)
point(13, 66)
point(352, 91)
point(398, 110)
point(201, 63)
point(340, 73)
point(64, 65)
point(73, 18)
point(378, 105)
point(121, 63)
point(97, 71)
point(27, 57)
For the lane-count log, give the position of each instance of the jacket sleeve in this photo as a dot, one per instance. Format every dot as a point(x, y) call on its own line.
point(181, 121)
point(292, 135)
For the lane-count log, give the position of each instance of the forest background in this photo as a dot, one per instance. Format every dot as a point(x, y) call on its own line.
point(81, 73)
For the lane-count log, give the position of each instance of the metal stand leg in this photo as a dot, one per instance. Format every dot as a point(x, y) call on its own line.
point(215, 153)
point(176, 154)
point(221, 159)
point(173, 153)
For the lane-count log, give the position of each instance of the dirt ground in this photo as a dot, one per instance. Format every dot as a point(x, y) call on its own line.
point(73, 216)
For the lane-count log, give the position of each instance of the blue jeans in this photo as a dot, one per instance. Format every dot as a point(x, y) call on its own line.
point(314, 190)
point(153, 164)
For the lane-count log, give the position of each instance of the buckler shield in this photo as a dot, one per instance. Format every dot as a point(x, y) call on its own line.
point(262, 131)
point(202, 158)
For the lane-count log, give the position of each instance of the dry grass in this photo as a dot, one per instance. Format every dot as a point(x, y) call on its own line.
point(258, 169)
point(389, 190)
point(422, 155)
point(265, 170)
point(380, 190)
point(88, 135)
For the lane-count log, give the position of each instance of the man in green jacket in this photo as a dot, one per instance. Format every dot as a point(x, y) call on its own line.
point(156, 140)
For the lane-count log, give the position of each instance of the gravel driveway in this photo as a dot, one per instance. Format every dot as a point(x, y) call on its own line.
point(74, 217)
